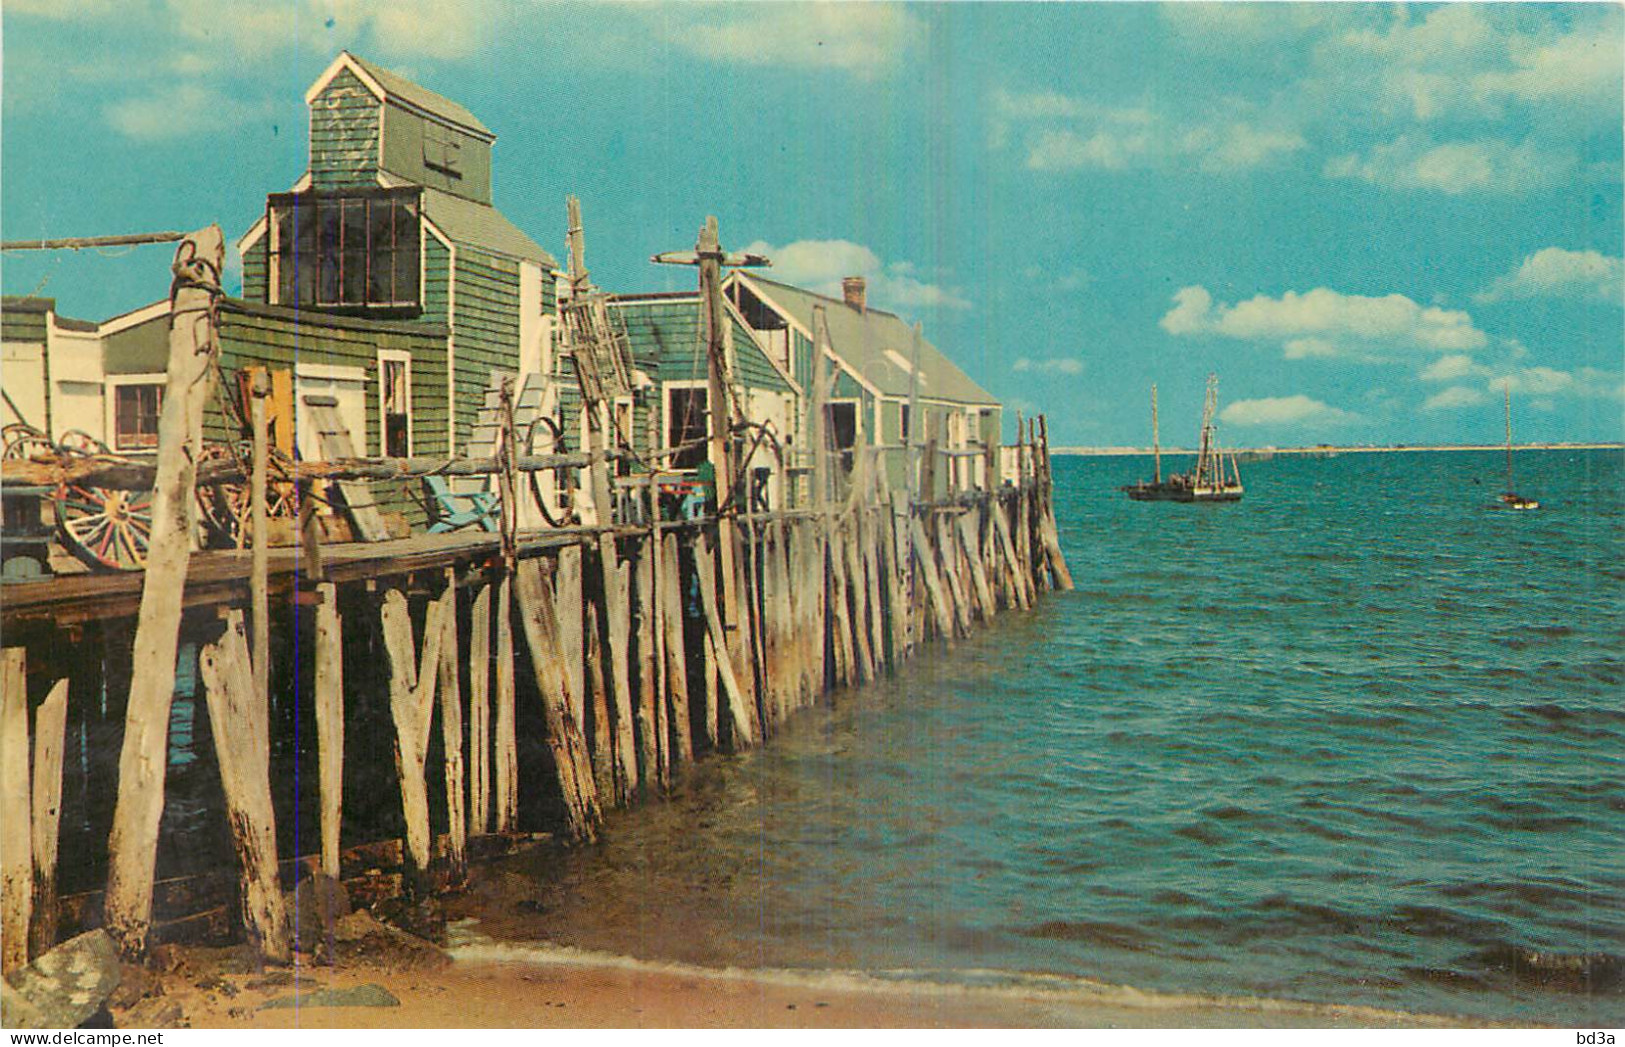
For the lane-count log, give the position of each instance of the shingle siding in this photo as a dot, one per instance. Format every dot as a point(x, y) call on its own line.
point(344, 128)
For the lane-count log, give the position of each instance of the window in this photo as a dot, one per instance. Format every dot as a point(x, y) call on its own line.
point(686, 423)
point(357, 250)
point(841, 429)
point(905, 425)
point(395, 403)
point(135, 415)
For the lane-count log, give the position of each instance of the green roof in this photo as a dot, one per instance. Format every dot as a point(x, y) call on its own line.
point(481, 225)
point(421, 97)
point(877, 344)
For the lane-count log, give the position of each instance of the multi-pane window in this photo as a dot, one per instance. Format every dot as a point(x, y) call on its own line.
point(135, 416)
point(355, 249)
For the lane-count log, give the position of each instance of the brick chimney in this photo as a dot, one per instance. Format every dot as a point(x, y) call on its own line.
point(856, 293)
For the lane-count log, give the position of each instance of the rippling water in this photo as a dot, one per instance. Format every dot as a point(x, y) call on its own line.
point(1356, 739)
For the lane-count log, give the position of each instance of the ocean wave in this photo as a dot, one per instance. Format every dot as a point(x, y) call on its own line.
point(1057, 989)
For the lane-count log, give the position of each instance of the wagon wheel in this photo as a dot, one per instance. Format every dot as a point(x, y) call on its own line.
point(226, 506)
point(546, 429)
point(77, 441)
point(24, 441)
point(105, 527)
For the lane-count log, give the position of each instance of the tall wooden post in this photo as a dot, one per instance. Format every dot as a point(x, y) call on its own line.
point(241, 727)
point(330, 721)
point(717, 330)
point(50, 722)
point(451, 732)
point(16, 838)
point(259, 575)
point(505, 766)
point(133, 844)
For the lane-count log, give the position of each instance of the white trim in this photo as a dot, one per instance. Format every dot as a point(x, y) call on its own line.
point(330, 372)
point(255, 231)
point(339, 64)
point(733, 310)
point(789, 318)
point(346, 60)
point(110, 403)
point(396, 356)
point(133, 318)
point(429, 228)
point(304, 181)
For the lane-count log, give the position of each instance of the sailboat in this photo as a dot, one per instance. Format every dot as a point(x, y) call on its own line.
point(1215, 477)
point(1509, 498)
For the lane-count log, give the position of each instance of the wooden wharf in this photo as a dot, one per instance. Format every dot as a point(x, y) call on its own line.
point(469, 691)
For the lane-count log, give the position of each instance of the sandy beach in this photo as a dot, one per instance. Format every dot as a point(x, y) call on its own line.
point(481, 994)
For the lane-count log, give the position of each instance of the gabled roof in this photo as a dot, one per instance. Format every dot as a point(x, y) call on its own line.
point(482, 226)
point(877, 344)
point(393, 87)
point(681, 329)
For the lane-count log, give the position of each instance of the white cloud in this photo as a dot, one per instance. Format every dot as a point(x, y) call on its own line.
point(1069, 134)
point(1553, 272)
point(1473, 60)
point(1454, 367)
point(1323, 322)
point(1054, 365)
point(864, 39)
point(179, 110)
point(1454, 397)
point(1284, 410)
point(1488, 165)
point(820, 265)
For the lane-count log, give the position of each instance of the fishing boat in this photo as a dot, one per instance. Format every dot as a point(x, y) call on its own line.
point(1509, 498)
point(1214, 478)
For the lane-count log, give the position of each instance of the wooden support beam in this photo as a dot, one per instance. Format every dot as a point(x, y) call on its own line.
point(973, 557)
point(133, 843)
point(1018, 581)
point(671, 597)
point(600, 738)
point(330, 721)
point(259, 575)
point(838, 610)
point(646, 715)
point(738, 708)
point(451, 734)
point(50, 724)
point(571, 762)
point(505, 766)
point(240, 724)
point(948, 552)
point(869, 556)
point(412, 685)
point(479, 709)
point(567, 584)
point(16, 835)
point(926, 559)
point(628, 778)
point(858, 595)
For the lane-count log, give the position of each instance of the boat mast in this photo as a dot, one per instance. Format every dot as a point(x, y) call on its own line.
point(1507, 392)
point(1156, 446)
point(1204, 456)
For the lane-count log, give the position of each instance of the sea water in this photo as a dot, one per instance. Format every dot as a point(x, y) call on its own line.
point(1358, 739)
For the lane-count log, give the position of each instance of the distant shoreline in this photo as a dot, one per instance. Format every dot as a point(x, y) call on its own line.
point(1125, 452)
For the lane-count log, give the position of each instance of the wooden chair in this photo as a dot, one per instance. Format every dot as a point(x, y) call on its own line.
point(453, 511)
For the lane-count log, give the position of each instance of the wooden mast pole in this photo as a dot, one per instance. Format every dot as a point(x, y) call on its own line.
point(260, 530)
point(1156, 442)
point(133, 843)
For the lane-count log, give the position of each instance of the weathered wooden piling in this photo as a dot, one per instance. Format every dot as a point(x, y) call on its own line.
point(16, 835)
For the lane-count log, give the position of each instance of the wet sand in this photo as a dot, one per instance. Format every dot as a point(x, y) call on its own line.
point(510, 995)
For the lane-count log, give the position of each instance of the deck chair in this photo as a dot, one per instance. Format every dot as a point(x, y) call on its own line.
point(453, 511)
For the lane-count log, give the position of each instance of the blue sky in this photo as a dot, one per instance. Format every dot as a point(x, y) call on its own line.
point(1367, 219)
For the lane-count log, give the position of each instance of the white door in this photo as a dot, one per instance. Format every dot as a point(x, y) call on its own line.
point(348, 386)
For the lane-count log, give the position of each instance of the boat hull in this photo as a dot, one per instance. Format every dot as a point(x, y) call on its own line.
point(1170, 493)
